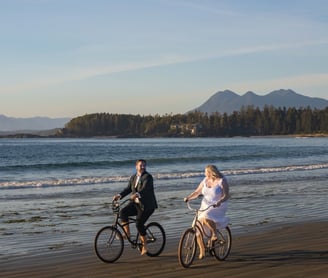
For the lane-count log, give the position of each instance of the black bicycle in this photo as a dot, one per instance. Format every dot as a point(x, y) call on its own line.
point(109, 244)
point(220, 248)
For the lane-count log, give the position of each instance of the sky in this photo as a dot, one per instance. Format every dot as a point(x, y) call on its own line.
point(68, 58)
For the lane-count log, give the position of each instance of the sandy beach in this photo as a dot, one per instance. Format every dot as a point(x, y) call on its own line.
point(295, 250)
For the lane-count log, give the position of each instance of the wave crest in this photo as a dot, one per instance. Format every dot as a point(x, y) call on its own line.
point(160, 176)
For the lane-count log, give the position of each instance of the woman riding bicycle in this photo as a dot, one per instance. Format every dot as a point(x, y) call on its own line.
point(141, 187)
point(215, 190)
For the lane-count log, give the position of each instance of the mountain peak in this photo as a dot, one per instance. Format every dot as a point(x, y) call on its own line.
point(250, 93)
point(228, 101)
point(283, 92)
point(227, 92)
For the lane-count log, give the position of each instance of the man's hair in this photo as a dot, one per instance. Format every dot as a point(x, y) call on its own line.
point(141, 160)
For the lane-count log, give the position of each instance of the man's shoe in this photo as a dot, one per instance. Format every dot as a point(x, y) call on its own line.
point(143, 251)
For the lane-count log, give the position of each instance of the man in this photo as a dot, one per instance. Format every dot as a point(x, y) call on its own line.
point(141, 187)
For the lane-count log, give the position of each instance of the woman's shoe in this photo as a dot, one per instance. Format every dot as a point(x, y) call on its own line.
point(201, 254)
point(214, 238)
point(211, 241)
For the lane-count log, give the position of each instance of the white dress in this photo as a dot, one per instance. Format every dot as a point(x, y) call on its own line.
point(212, 195)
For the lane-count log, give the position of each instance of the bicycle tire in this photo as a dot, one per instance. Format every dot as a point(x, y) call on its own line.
point(187, 248)
point(108, 244)
point(222, 246)
point(156, 239)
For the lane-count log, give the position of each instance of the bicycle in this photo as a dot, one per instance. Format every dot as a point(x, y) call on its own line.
point(220, 248)
point(109, 244)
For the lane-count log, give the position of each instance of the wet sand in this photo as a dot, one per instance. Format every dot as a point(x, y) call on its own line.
point(295, 250)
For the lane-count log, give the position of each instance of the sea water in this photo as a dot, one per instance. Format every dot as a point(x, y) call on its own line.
point(56, 193)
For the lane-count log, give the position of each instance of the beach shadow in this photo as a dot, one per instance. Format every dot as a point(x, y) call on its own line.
point(285, 257)
point(275, 259)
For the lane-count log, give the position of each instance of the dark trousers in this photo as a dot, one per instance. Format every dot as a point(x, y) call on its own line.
point(133, 209)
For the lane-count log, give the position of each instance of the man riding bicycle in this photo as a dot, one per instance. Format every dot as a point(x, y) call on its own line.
point(144, 203)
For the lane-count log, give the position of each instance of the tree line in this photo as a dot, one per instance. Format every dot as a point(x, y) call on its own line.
point(249, 121)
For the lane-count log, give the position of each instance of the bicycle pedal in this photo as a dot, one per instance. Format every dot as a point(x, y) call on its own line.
point(149, 240)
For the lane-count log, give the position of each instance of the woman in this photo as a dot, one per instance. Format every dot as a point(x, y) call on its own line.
point(215, 190)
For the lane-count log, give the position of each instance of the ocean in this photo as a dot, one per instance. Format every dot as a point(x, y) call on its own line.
point(56, 193)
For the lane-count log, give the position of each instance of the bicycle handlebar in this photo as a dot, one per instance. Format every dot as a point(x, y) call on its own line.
point(197, 209)
point(116, 204)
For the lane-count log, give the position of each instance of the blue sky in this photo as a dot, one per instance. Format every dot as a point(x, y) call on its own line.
point(66, 58)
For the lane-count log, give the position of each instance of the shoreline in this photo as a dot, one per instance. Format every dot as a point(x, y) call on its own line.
point(39, 135)
point(287, 250)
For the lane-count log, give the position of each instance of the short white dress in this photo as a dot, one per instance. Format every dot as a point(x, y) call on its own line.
point(212, 195)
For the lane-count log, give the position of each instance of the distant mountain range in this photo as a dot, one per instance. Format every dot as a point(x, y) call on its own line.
point(222, 102)
point(8, 124)
point(228, 101)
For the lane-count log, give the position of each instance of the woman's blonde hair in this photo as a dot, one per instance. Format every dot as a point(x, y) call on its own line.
point(213, 171)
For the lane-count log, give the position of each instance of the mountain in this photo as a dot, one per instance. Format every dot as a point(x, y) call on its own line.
point(31, 124)
point(228, 101)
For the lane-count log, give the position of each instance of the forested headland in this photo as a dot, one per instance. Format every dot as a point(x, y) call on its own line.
point(249, 121)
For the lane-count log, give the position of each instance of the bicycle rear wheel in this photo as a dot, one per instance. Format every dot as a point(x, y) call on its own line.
point(156, 239)
point(222, 246)
point(187, 248)
point(108, 244)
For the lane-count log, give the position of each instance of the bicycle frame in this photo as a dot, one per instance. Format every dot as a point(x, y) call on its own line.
point(197, 225)
point(219, 248)
point(117, 224)
point(109, 240)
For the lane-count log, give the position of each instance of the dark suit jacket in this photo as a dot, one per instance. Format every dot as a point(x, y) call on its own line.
point(145, 188)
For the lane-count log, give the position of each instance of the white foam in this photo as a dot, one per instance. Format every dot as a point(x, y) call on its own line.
point(160, 176)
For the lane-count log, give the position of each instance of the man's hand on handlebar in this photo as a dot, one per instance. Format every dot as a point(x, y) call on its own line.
point(116, 197)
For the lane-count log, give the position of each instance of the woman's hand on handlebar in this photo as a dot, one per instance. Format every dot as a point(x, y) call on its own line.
point(217, 204)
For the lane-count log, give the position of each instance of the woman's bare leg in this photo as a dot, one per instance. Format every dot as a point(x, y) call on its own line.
point(212, 226)
point(200, 242)
point(201, 246)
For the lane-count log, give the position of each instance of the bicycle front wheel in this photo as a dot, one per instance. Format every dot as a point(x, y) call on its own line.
point(187, 248)
point(109, 244)
point(156, 239)
point(222, 246)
